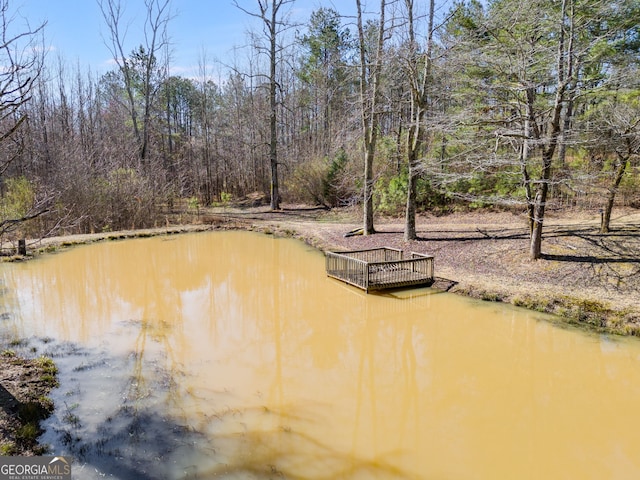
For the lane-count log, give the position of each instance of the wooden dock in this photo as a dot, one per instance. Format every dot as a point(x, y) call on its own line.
point(380, 268)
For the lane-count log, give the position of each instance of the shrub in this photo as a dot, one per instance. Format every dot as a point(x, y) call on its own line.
point(392, 195)
point(306, 182)
point(332, 185)
point(324, 181)
point(18, 198)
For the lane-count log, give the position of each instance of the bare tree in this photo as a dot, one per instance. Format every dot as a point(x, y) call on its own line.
point(142, 70)
point(270, 12)
point(21, 59)
point(614, 130)
point(418, 73)
point(370, 72)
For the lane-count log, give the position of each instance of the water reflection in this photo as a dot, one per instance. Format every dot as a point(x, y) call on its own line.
point(232, 355)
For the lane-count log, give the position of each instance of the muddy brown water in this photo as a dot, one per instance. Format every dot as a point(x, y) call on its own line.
point(232, 355)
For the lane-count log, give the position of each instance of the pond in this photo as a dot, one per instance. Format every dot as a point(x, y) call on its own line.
point(231, 355)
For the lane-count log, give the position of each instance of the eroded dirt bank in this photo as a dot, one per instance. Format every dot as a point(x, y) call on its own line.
point(24, 388)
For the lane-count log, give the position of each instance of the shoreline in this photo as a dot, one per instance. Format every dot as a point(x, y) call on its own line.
point(480, 255)
point(605, 312)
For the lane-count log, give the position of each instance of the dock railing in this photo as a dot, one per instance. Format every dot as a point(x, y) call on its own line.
point(380, 268)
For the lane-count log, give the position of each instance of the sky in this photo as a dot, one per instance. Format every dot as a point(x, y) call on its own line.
point(75, 29)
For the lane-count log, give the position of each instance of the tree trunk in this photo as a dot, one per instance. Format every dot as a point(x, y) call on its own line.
point(420, 81)
point(611, 195)
point(526, 178)
point(369, 93)
point(273, 105)
point(565, 66)
point(410, 213)
point(539, 206)
point(535, 248)
point(368, 190)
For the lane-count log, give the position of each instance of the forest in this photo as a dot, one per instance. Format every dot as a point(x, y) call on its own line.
point(406, 107)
